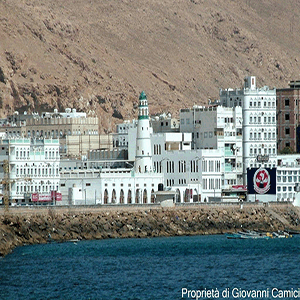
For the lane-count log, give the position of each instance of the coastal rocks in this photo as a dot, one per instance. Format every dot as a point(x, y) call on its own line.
point(102, 223)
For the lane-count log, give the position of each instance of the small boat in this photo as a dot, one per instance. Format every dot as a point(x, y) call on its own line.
point(234, 236)
point(73, 241)
point(250, 234)
point(281, 235)
point(247, 235)
point(254, 234)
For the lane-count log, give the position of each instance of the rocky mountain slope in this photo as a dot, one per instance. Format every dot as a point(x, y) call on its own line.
point(97, 56)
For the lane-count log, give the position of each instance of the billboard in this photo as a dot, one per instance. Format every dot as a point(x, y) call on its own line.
point(36, 197)
point(261, 181)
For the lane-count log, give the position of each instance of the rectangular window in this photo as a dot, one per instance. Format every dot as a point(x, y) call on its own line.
point(287, 117)
point(287, 102)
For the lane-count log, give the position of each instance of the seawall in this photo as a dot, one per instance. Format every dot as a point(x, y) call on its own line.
point(21, 226)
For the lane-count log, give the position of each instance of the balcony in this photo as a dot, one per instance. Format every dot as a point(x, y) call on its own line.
point(228, 168)
point(228, 152)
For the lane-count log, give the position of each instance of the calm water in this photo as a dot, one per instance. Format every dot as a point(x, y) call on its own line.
point(157, 268)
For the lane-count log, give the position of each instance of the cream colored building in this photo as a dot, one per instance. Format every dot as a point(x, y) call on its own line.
point(77, 132)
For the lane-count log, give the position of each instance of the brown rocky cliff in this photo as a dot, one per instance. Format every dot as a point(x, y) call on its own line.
point(59, 224)
point(99, 55)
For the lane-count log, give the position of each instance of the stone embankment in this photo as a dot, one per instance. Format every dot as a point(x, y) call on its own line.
point(21, 226)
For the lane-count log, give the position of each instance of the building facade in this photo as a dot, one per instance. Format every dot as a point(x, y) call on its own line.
point(120, 138)
point(165, 123)
point(77, 132)
point(288, 177)
point(33, 168)
point(288, 117)
point(131, 184)
point(259, 123)
point(218, 127)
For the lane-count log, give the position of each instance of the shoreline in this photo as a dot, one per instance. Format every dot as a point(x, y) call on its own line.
point(23, 225)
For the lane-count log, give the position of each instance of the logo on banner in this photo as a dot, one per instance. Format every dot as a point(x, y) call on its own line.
point(261, 181)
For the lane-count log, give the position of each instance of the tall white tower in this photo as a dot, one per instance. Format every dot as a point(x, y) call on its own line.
point(143, 156)
point(259, 123)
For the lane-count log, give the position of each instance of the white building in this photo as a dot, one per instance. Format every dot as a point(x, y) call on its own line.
point(33, 168)
point(165, 123)
point(196, 175)
point(117, 185)
point(161, 123)
point(259, 122)
point(288, 177)
point(120, 138)
point(218, 127)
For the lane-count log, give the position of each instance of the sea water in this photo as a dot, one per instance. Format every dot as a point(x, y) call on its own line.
point(193, 267)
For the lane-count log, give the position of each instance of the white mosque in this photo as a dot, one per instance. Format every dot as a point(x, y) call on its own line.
point(122, 185)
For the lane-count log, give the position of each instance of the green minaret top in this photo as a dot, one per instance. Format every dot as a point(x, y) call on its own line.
point(143, 106)
point(143, 96)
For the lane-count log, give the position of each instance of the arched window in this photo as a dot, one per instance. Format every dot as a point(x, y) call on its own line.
point(152, 196)
point(137, 195)
point(105, 196)
point(145, 196)
point(121, 196)
point(113, 196)
point(129, 199)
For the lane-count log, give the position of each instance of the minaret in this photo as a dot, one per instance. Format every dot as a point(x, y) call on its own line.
point(143, 156)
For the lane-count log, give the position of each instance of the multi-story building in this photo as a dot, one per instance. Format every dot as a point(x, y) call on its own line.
point(288, 177)
point(120, 138)
point(77, 132)
point(288, 117)
point(161, 123)
point(259, 122)
point(135, 183)
point(165, 123)
point(33, 169)
point(218, 127)
point(195, 175)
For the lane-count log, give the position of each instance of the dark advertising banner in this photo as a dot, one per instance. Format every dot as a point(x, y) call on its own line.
point(261, 181)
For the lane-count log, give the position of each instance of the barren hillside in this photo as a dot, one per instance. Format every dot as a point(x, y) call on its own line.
point(99, 55)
